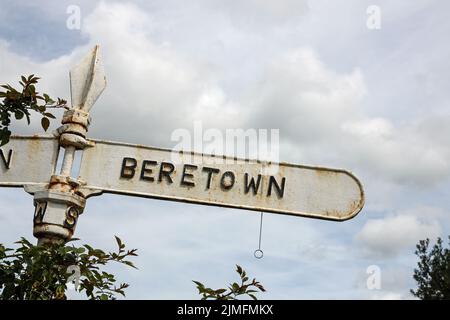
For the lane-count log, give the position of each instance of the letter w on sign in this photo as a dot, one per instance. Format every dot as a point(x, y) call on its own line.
point(136, 170)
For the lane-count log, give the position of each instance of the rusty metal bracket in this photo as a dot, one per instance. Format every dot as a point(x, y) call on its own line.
point(59, 204)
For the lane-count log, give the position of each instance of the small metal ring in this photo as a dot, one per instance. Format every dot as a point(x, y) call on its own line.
point(258, 254)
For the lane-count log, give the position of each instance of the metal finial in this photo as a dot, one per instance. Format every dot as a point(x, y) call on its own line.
point(87, 81)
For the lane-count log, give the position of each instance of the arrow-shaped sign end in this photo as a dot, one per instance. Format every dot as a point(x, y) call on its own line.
point(87, 80)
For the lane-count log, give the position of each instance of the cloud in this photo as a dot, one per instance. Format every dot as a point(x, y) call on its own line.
point(308, 101)
point(265, 13)
point(321, 118)
point(386, 295)
point(402, 153)
point(149, 81)
point(32, 28)
point(388, 236)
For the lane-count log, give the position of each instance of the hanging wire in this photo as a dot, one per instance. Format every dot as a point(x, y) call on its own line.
point(258, 252)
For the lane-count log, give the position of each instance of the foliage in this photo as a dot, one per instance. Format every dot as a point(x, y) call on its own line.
point(433, 272)
point(234, 290)
point(21, 102)
point(42, 272)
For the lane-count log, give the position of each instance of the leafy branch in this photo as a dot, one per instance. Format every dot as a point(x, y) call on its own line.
point(22, 102)
point(244, 288)
point(42, 272)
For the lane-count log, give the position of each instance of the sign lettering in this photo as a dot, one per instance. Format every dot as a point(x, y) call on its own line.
point(6, 161)
point(237, 183)
point(189, 174)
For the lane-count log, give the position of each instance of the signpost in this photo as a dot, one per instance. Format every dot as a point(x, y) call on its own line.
point(135, 170)
point(151, 172)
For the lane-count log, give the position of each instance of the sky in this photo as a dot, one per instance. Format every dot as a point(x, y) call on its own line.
point(342, 93)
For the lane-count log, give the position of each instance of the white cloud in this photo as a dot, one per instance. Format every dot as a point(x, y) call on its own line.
point(150, 82)
point(400, 153)
point(388, 236)
point(304, 98)
point(265, 13)
point(387, 295)
point(318, 109)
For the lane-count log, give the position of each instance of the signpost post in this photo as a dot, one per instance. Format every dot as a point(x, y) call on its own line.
point(135, 170)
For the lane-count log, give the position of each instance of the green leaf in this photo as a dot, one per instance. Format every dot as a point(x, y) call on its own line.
point(18, 114)
point(119, 242)
point(49, 115)
point(239, 269)
point(260, 287)
point(129, 263)
point(80, 250)
point(32, 89)
point(5, 134)
point(45, 123)
point(220, 291)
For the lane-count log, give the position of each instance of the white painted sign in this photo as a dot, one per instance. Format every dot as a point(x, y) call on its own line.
point(28, 160)
point(136, 170)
